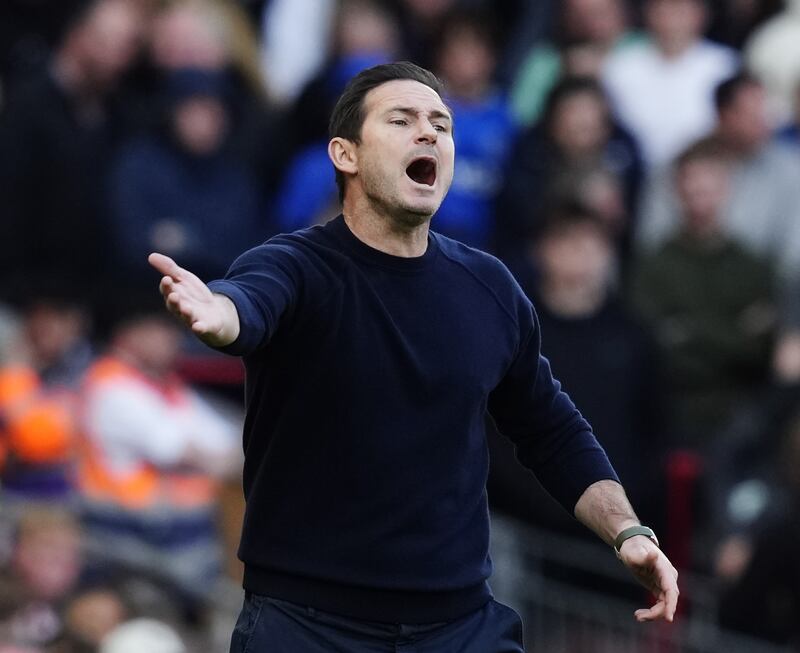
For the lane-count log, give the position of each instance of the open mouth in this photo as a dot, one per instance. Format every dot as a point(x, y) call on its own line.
point(422, 171)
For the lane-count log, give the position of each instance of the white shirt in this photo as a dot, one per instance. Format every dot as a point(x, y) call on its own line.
point(667, 103)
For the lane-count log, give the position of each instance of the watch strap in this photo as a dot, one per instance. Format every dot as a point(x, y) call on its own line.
point(633, 531)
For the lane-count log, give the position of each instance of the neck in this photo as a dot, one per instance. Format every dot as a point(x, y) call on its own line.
point(675, 47)
point(395, 234)
point(572, 301)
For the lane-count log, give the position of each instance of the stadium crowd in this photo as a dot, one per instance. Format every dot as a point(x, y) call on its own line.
point(635, 164)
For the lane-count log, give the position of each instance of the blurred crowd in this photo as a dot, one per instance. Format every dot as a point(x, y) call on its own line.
point(635, 164)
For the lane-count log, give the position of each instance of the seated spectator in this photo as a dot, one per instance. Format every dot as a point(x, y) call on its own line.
point(763, 208)
point(44, 570)
point(180, 191)
point(484, 134)
point(153, 450)
point(37, 396)
point(57, 132)
point(576, 138)
point(710, 301)
point(596, 27)
point(662, 88)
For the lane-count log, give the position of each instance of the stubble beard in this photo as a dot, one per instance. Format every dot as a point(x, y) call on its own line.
point(387, 201)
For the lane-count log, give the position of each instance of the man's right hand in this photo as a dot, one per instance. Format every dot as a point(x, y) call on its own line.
point(211, 317)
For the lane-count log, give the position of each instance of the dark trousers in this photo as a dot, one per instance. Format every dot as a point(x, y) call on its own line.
point(269, 625)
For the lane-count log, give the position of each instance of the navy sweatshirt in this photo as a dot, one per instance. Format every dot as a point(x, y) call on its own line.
point(369, 377)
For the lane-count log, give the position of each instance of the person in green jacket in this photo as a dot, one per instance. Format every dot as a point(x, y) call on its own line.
point(709, 300)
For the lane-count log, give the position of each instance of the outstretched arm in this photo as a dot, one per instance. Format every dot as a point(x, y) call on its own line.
point(605, 509)
point(211, 317)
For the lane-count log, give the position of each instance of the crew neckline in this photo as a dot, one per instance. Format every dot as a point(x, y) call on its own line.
point(376, 257)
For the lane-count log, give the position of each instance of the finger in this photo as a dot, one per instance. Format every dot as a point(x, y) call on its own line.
point(652, 613)
point(175, 305)
point(671, 603)
point(166, 286)
point(165, 265)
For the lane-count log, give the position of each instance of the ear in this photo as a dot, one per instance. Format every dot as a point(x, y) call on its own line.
point(343, 155)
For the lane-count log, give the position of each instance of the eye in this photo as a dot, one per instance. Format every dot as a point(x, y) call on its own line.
point(441, 128)
point(398, 121)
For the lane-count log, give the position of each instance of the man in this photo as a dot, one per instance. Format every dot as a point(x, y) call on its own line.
point(57, 131)
point(709, 300)
point(662, 88)
point(374, 349)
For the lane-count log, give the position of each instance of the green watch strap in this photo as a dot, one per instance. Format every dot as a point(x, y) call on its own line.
point(632, 532)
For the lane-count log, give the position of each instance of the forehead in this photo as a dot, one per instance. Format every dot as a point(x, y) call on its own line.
point(403, 93)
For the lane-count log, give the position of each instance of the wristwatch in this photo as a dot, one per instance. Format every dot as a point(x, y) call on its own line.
point(632, 532)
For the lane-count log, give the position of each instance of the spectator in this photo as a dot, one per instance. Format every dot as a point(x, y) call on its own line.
point(181, 190)
point(763, 211)
point(44, 570)
point(37, 402)
point(560, 158)
point(56, 136)
point(710, 302)
point(662, 89)
point(152, 453)
point(486, 129)
point(773, 54)
point(597, 27)
point(218, 37)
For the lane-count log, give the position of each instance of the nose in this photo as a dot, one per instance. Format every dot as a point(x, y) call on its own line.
point(427, 133)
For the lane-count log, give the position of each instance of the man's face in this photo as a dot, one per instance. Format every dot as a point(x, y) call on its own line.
point(110, 40)
point(405, 157)
point(576, 257)
point(702, 186)
point(675, 20)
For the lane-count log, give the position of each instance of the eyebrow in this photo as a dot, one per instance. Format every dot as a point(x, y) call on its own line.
point(436, 113)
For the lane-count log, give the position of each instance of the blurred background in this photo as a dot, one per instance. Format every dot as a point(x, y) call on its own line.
point(636, 165)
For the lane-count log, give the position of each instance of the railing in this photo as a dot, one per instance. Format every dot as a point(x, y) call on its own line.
point(595, 615)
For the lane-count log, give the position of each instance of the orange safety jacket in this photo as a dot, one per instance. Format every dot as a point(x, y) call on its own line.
point(146, 486)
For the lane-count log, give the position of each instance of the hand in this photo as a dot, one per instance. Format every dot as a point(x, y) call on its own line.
point(213, 318)
point(653, 570)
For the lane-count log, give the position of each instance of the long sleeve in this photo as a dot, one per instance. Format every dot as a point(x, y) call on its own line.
point(551, 437)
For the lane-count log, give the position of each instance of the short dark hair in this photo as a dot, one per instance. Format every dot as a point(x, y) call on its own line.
point(726, 92)
point(710, 148)
point(348, 115)
point(565, 216)
point(567, 87)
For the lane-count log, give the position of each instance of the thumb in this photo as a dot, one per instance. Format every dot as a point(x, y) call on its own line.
point(165, 265)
